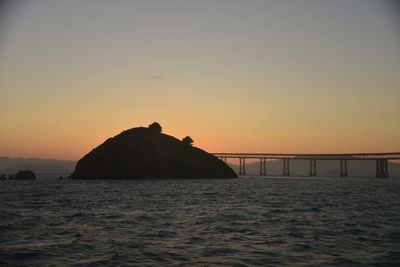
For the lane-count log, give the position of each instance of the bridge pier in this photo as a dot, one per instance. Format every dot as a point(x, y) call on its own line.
point(382, 168)
point(263, 168)
point(313, 167)
point(343, 168)
point(286, 167)
point(381, 161)
point(242, 166)
point(223, 158)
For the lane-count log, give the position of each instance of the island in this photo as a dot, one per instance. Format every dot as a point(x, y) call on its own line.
point(147, 153)
point(23, 175)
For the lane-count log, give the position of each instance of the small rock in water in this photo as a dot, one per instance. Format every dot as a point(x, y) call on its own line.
point(23, 175)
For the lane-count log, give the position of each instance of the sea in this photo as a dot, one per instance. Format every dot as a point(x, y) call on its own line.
point(249, 221)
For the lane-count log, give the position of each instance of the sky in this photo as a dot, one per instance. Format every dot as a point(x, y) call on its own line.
point(287, 76)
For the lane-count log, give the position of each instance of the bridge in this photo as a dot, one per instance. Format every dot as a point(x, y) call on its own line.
point(381, 161)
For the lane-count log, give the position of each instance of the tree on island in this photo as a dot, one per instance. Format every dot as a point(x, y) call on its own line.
point(188, 140)
point(155, 127)
point(3, 177)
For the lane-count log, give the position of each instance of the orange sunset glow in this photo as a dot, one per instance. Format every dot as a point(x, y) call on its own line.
point(260, 77)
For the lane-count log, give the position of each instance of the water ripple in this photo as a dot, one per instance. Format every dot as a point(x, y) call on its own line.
point(242, 222)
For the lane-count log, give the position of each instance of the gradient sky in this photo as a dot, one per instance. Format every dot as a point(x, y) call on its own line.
point(301, 76)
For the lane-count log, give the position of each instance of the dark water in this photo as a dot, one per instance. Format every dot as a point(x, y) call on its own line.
point(242, 222)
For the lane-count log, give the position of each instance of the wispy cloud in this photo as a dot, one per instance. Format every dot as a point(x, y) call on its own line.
point(158, 78)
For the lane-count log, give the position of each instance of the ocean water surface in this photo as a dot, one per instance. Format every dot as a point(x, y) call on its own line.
point(237, 222)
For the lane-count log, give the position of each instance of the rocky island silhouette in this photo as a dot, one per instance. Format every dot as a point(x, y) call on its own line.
point(23, 175)
point(146, 153)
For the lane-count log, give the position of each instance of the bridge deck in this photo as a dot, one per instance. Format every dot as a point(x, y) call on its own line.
point(355, 156)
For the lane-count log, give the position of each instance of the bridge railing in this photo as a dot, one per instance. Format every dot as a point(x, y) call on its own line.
point(354, 156)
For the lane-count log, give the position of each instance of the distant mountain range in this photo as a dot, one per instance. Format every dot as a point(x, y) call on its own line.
point(274, 167)
point(39, 166)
